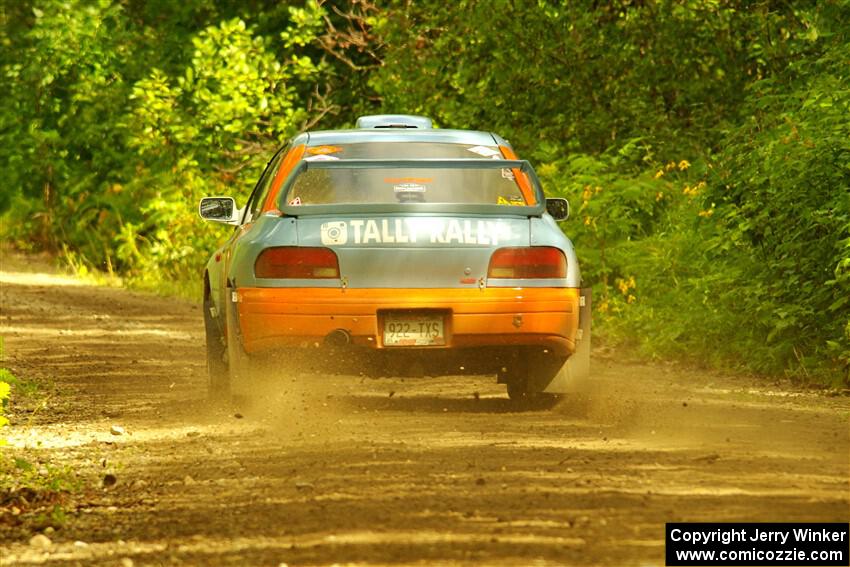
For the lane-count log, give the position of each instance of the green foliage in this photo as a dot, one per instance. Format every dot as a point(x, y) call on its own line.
point(5, 391)
point(621, 199)
point(108, 153)
point(6, 381)
point(18, 475)
point(209, 131)
point(45, 476)
point(781, 186)
point(584, 75)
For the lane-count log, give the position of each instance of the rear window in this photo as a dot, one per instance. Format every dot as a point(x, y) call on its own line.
point(382, 185)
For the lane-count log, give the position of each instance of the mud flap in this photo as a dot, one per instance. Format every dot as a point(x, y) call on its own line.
point(577, 367)
point(239, 365)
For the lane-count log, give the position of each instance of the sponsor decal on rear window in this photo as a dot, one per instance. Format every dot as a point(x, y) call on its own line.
point(323, 150)
point(514, 201)
point(320, 157)
point(414, 231)
point(489, 152)
point(409, 188)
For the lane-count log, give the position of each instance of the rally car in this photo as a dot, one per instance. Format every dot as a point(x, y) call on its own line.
point(395, 241)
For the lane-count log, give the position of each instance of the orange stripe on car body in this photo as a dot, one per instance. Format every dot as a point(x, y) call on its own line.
point(281, 317)
point(289, 162)
point(521, 179)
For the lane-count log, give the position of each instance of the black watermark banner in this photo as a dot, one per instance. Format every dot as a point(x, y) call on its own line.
point(758, 544)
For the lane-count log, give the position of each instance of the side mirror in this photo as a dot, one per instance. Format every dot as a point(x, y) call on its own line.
point(219, 209)
point(558, 208)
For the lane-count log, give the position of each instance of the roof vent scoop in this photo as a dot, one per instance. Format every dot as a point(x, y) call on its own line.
point(393, 121)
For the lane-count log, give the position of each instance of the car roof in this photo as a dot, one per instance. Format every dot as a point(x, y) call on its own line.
point(394, 135)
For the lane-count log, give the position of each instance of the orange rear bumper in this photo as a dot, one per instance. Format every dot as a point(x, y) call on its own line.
point(280, 317)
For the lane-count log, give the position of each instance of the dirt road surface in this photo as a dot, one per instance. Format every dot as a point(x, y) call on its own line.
point(384, 471)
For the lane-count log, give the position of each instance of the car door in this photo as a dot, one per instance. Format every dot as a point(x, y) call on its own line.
point(252, 211)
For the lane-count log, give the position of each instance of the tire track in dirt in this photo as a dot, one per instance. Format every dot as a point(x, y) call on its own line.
point(335, 469)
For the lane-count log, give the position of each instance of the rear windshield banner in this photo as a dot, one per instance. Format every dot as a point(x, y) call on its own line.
point(415, 230)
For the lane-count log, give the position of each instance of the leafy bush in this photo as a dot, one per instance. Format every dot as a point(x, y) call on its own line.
point(621, 198)
point(781, 186)
point(108, 153)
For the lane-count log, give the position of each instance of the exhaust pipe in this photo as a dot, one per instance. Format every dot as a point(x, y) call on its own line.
point(338, 338)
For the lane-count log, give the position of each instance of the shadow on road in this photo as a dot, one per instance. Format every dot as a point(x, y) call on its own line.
point(441, 404)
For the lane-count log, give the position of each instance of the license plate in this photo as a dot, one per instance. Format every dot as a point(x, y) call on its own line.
point(414, 329)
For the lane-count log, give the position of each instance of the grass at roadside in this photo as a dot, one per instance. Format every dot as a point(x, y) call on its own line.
point(144, 281)
point(34, 490)
point(6, 381)
point(31, 486)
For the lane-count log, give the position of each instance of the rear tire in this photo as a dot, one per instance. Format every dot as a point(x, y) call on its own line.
point(528, 374)
point(218, 381)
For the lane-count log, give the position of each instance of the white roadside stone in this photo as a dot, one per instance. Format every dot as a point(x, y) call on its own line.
point(40, 541)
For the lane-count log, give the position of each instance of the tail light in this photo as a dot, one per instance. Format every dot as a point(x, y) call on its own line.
point(290, 262)
point(523, 263)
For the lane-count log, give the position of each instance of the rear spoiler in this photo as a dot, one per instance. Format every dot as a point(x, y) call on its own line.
point(457, 163)
point(394, 121)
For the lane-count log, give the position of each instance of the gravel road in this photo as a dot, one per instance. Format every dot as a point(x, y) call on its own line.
point(341, 469)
